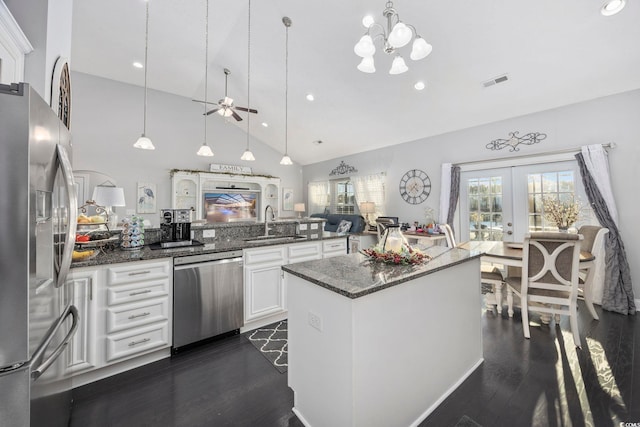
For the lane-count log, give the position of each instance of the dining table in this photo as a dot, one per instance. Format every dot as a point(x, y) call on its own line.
point(510, 254)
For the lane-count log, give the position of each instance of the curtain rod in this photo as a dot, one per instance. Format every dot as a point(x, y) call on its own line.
point(524, 156)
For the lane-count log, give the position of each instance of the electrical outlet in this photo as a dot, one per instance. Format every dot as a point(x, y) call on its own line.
point(314, 226)
point(315, 321)
point(193, 235)
point(209, 234)
point(303, 227)
point(131, 212)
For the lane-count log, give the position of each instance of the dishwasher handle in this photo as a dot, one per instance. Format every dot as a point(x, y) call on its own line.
point(206, 263)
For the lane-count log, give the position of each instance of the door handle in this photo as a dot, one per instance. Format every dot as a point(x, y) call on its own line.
point(70, 311)
point(509, 232)
point(72, 217)
point(509, 224)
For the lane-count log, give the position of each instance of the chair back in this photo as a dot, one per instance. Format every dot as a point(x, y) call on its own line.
point(593, 235)
point(448, 234)
point(550, 267)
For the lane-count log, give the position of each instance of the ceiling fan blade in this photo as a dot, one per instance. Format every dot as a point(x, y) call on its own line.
point(249, 110)
point(212, 111)
point(204, 102)
point(235, 115)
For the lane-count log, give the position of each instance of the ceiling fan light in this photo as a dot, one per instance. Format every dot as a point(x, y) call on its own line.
point(205, 151)
point(247, 155)
point(398, 66)
point(368, 21)
point(286, 160)
point(400, 35)
point(365, 46)
point(611, 7)
point(144, 143)
point(420, 49)
point(367, 65)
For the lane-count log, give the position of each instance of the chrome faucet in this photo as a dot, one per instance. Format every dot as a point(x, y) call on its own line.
point(266, 219)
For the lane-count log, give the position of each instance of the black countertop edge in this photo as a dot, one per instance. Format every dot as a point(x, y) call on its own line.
point(370, 276)
point(145, 253)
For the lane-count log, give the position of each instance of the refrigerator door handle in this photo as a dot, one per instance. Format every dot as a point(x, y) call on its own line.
point(72, 311)
point(72, 218)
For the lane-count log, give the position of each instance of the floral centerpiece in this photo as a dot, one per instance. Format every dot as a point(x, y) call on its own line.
point(405, 256)
point(562, 213)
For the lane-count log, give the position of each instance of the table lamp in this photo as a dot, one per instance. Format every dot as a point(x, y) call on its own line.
point(367, 208)
point(109, 196)
point(299, 207)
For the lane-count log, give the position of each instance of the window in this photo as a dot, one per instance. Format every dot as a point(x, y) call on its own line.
point(344, 199)
point(554, 185)
point(319, 197)
point(485, 208)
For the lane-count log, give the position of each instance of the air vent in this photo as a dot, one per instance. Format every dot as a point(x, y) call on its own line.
point(494, 81)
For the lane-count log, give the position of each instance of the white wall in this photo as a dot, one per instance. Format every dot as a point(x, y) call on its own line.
point(106, 119)
point(609, 119)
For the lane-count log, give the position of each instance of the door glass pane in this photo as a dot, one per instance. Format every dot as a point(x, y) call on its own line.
point(485, 202)
point(558, 186)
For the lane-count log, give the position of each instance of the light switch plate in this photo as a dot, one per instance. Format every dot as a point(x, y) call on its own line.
point(209, 234)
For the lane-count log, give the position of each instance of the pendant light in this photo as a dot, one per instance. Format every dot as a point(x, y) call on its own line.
point(143, 142)
point(248, 155)
point(286, 160)
point(205, 150)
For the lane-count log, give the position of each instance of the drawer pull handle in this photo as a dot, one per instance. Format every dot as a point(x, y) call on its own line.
point(142, 341)
point(136, 273)
point(146, 291)
point(135, 316)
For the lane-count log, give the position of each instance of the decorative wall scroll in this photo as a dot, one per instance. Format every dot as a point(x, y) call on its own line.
point(515, 140)
point(343, 169)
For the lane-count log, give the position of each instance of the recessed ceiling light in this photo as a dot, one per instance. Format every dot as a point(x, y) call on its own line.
point(419, 85)
point(138, 65)
point(612, 7)
point(265, 124)
point(310, 97)
point(367, 21)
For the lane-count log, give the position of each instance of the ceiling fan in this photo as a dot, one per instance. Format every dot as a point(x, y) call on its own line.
point(225, 106)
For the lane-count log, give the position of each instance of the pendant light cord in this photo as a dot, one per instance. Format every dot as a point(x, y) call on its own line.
point(248, 73)
point(146, 49)
point(206, 68)
point(286, 93)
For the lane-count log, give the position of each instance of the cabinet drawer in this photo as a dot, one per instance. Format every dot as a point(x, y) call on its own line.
point(136, 272)
point(303, 251)
point(128, 316)
point(137, 341)
point(267, 255)
point(137, 291)
point(338, 245)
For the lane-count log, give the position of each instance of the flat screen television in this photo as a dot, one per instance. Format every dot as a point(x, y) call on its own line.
point(227, 206)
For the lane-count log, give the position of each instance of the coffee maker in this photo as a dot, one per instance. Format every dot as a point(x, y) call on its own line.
point(175, 228)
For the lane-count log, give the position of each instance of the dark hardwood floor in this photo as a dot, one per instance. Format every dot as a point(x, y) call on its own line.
point(544, 381)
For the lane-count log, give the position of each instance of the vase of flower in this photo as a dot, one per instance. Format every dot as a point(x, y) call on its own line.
point(561, 213)
point(563, 229)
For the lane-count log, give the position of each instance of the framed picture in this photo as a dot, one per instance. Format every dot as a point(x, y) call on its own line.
point(146, 200)
point(287, 199)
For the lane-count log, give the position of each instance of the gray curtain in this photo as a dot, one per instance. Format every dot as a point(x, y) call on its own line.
point(454, 194)
point(618, 292)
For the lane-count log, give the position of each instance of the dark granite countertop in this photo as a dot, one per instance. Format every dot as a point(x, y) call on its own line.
point(145, 253)
point(355, 275)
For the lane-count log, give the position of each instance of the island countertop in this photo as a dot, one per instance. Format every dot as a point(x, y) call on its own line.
point(355, 275)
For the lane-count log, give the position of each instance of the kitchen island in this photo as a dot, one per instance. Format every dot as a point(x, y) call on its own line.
point(372, 344)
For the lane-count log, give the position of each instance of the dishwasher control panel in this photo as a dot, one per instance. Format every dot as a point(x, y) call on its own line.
point(191, 259)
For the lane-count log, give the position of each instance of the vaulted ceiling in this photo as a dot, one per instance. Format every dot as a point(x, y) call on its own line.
point(554, 53)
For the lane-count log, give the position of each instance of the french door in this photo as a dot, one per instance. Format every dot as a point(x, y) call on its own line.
point(506, 203)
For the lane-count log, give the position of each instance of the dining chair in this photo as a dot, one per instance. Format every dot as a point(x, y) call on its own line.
point(488, 274)
point(593, 238)
point(549, 280)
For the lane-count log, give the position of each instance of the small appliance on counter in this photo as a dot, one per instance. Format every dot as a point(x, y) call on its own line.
point(175, 228)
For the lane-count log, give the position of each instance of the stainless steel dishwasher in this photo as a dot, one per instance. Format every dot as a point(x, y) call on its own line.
point(207, 296)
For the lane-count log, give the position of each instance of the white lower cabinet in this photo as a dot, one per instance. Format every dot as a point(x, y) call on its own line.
point(81, 288)
point(124, 318)
point(265, 289)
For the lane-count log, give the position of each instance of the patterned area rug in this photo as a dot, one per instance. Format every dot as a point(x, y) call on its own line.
point(271, 341)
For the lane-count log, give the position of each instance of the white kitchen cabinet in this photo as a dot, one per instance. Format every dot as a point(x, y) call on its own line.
point(358, 242)
point(299, 252)
point(334, 247)
point(263, 286)
point(81, 288)
point(137, 308)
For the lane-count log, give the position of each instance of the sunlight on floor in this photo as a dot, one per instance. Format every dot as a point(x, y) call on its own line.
point(571, 384)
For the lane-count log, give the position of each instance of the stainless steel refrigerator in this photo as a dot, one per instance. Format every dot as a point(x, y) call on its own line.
point(38, 214)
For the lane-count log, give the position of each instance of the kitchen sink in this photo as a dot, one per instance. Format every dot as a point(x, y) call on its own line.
point(274, 239)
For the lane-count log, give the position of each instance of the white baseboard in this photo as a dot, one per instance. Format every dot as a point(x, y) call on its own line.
point(637, 301)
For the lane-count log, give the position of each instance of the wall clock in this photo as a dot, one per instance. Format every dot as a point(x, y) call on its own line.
point(415, 186)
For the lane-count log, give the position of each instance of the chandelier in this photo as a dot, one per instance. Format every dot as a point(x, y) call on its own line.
point(396, 35)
